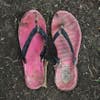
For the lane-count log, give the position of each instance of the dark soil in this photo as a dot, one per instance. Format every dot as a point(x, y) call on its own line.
point(12, 86)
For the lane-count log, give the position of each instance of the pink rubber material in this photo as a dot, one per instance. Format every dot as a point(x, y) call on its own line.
point(34, 68)
point(72, 28)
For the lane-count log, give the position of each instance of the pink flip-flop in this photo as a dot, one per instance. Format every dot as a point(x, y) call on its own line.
point(32, 37)
point(66, 35)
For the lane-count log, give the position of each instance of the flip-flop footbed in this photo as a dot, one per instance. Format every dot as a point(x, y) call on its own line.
point(66, 72)
point(34, 67)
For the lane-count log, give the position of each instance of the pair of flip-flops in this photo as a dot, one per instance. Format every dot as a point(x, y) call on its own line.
point(66, 35)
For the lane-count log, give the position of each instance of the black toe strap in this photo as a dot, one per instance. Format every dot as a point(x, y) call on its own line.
point(65, 35)
point(39, 30)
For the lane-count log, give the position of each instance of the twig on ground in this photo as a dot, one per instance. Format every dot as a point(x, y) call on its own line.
point(45, 76)
point(95, 69)
point(91, 73)
point(9, 58)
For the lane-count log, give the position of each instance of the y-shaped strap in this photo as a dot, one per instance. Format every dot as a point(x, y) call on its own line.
point(39, 30)
point(65, 35)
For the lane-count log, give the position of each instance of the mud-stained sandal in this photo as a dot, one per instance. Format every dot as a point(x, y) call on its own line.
point(32, 39)
point(66, 35)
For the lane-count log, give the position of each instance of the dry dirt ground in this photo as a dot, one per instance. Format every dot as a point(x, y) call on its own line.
point(12, 86)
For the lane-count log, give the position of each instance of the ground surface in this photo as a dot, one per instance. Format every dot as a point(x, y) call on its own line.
point(12, 86)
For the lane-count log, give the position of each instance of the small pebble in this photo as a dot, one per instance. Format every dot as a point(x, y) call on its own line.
point(99, 8)
point(81, 7)
point(88, 24)
point(18, 96)
point(56, 5)
point(2, 38)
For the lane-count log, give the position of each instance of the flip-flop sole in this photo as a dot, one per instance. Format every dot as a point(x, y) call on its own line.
point(66, 73)
point(34, 67)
